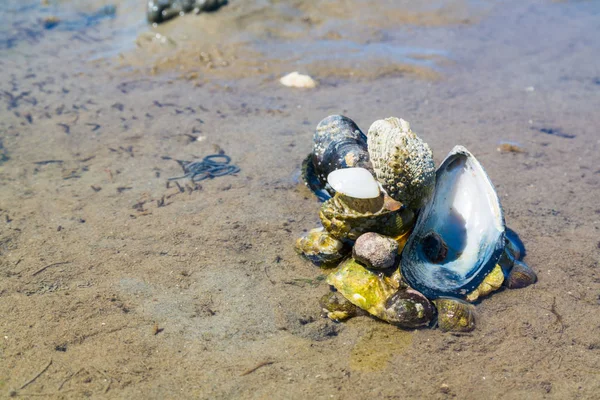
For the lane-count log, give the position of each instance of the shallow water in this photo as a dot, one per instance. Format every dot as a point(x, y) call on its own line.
point(135, 288)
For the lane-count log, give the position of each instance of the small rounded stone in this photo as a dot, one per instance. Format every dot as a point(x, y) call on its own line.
point(445, 388)
point(375, 251)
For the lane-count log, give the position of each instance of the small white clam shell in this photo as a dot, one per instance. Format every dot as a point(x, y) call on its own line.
point(354, 182)
point(294, 79)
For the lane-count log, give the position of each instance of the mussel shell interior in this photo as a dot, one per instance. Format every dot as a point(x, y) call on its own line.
point(459, 234)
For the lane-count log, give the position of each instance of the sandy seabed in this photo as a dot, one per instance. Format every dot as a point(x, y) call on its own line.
point(115, 283)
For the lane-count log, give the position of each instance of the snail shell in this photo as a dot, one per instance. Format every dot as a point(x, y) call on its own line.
point(455, 315)
point(321, 248)
point(520, 276)
point(409, 309)
point(342, 218)
point(337, 308)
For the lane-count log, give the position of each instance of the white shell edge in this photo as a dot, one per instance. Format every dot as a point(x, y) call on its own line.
point(354, 182)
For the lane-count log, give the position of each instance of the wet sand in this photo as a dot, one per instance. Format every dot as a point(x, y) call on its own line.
point(115, 284)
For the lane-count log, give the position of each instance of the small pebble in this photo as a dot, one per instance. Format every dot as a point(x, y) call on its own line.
point(50, 22)
point(375, 251)
point(297, 80)
point(444, 388)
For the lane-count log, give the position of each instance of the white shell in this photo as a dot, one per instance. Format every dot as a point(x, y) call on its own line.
point(354, 182)
point(294, 79)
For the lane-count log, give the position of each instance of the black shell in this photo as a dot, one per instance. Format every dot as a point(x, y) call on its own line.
point(158, 11)
point(338, 143)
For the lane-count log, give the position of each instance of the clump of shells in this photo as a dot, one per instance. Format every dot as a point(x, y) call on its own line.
point(401, 241)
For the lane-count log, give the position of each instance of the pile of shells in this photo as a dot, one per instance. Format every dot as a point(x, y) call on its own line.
point(402, 241)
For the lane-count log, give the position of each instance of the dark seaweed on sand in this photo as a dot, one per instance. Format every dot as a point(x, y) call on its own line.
point(3, 153)
point(209, 167)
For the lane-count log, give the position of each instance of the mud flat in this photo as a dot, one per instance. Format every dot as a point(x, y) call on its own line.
point(118, 283)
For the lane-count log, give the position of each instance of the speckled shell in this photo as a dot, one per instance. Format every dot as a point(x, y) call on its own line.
point(409, 309)
point(321, 248)
point(455, 315)
point(338, 143)
point(345, 223)
point(375, 251)
point(402, 162)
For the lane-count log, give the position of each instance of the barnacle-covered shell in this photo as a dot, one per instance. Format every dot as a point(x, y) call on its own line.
point(338, 143)
point(336, 307)
point(455, 315)
point(321, 248)
point(521, 275)
point(492, 282)
point(459, 234)
point(382, 296)
point(402, 162)
point(375, 251)
point(345, 219)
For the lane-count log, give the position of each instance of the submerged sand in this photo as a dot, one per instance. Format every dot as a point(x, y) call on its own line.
point(116, 284)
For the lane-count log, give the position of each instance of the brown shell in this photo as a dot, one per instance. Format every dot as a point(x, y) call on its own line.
point(345, 222)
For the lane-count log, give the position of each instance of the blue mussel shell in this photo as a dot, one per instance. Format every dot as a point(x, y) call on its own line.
point(459, 234)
